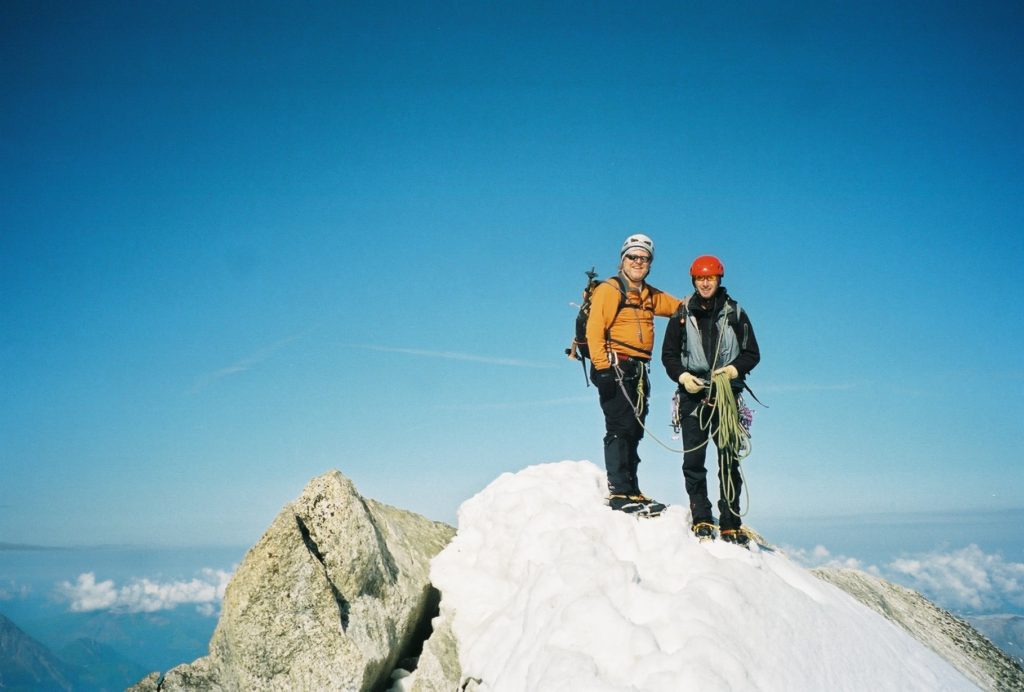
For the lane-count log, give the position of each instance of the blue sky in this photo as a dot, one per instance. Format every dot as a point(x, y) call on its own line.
point(241, 246)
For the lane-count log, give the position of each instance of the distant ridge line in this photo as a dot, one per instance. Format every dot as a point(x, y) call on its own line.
point(27, 546)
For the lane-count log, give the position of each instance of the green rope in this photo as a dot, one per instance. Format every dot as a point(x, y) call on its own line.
point(732, 440)
point(731, 435)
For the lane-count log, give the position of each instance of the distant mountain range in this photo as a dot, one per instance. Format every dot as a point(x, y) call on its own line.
point(26, 546)
point(26, 664)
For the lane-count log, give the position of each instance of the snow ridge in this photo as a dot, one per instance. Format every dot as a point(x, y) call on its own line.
point(548, 589)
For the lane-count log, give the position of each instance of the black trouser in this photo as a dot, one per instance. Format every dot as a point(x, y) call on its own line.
point(623, 431)
point(698, 421)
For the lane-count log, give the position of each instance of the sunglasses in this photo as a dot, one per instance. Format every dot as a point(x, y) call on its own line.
point(642, 259)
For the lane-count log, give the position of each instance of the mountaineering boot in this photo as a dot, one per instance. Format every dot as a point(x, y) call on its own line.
point(635, 504)
point(653, 507)
point(737, 536)
point(704, 531)
point(625, 503)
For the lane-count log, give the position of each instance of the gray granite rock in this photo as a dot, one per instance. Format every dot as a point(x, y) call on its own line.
point(438, 669)
point(331, 597)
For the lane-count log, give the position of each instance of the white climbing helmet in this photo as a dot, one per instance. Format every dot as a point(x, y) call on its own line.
point(638, 240)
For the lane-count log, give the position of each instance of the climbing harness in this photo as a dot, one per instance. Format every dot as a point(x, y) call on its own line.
point(638, 399)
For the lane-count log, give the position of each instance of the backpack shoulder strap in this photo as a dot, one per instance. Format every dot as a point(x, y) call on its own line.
point(681, 314)
point(623, 289)
point(734, 313)
point(683, 308)
point(734, 321)
point(620, 286)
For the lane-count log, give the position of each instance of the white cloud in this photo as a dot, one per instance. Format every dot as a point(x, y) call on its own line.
point(145, 595)
point(13, 591)
point(820, 556)
point(967, 578)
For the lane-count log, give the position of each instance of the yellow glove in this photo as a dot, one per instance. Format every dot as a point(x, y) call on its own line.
point(729, 370)
point(691, 383)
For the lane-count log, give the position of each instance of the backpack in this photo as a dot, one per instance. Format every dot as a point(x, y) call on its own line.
point(579, 349)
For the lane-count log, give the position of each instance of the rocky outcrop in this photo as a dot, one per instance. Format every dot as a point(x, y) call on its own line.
point(951, 638)
point(332, 597)
point(438, 667)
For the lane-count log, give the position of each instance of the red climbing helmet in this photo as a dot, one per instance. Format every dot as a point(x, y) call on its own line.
point(707, 265)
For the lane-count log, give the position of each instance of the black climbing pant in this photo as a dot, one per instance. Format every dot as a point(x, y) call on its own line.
point(623, 431)
point(730, 482)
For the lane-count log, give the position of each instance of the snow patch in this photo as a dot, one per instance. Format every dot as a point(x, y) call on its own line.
point(547, 588)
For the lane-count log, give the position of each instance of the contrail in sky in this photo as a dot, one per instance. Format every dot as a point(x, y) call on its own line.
point(564, 401)
point(455, 355)
point(247, 363)
point(810, 387)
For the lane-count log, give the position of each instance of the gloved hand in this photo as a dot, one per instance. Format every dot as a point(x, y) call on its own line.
point(605, 382)
point(691, 382)
point(729, 370)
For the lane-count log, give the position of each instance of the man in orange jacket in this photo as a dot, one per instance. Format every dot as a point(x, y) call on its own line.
point(620, 336)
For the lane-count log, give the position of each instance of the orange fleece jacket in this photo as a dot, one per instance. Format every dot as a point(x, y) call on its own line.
point(632, 332)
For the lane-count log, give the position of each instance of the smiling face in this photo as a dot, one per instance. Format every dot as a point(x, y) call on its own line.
point(636, 264)
point(706, 285)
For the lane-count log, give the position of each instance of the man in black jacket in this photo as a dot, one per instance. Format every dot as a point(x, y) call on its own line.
point(709, 335)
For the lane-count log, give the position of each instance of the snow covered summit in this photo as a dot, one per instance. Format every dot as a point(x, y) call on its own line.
point(545, 588)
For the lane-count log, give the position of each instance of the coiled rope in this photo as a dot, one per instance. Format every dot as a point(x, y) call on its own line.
point(732, 439)
point(730, 435)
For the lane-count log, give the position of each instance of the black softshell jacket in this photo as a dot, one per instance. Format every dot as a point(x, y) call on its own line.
point(706, 313)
